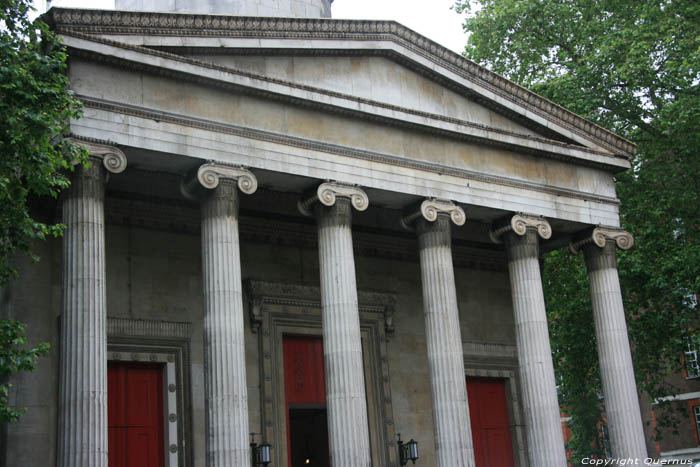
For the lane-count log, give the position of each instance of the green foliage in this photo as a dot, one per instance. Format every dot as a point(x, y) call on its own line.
point(632, 66)
point(36, 107)
point(15, 358)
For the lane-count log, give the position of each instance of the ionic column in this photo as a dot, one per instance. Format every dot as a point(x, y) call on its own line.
point(453, 435)
point(616, 369)
point(342, 344)
point(227, 435)
point(542, 416)
point(82, 419)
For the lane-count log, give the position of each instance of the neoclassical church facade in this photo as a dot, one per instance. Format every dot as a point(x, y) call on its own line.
point(321, 232)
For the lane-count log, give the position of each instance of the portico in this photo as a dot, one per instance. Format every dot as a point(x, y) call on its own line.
point(344, 180)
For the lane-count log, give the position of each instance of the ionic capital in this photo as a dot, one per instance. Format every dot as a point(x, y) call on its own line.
point(210, 174)
point(113, 159)
point(519, 224)
point(326, 194)
point(600, 236)
point(431, 208)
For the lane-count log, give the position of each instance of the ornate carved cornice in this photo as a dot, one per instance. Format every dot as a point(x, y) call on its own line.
point(430, 209)
point(600, 236)
point(132, 23)
point(326, 193)
point(210, 174)
point(113, 159)
point(519, 224)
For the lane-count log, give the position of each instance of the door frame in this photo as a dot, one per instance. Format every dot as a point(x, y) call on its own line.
point(485, 360)
point(278, 309)
point(134, 341)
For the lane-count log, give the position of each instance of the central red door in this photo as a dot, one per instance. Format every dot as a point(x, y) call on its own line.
point(135, 410)
point(488, 411)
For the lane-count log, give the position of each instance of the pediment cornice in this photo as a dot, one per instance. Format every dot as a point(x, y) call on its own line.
point(107, 22)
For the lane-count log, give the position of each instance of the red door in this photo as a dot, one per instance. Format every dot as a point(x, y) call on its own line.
point(135, 410)
point(488, 411)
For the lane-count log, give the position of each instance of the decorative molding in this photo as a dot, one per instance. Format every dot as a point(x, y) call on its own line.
point(255, 313)
point(312, 145)
point(431, 208)
point(600, 236)
point(519, 224)
point(326, 193)
point(210, 173)
point(113, 159)
point(479, 349)
point(127, 327)
point(132, 23)
point(261, 293)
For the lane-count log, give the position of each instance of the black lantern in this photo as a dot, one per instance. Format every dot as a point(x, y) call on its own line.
point(260, 454)
point(407, 451)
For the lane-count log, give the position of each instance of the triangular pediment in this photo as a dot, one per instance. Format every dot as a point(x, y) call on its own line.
point(374, 79)
point(376, 70)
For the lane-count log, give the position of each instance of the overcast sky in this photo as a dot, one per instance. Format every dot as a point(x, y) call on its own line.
point(432, 18)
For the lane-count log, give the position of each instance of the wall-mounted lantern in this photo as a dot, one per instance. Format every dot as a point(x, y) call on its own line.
point(260, 453)
point(407, 451)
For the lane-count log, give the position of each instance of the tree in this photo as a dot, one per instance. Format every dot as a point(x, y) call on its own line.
point(36, 107)
point(632, 66)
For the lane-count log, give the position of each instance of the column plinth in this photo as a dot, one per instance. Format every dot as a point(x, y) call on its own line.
point(453, 436)
point(616, 368)
point(342, 342)
point(82, 437)
point(540, 404)
point(227, 432)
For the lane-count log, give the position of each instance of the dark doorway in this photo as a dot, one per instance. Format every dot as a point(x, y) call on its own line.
point(309, 437)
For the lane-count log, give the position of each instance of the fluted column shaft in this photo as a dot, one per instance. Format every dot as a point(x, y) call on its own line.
point(342, 343)
point(453, 437)
point(616, 369)
point(225, 374)
point(82, 439)
point(541, 407)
